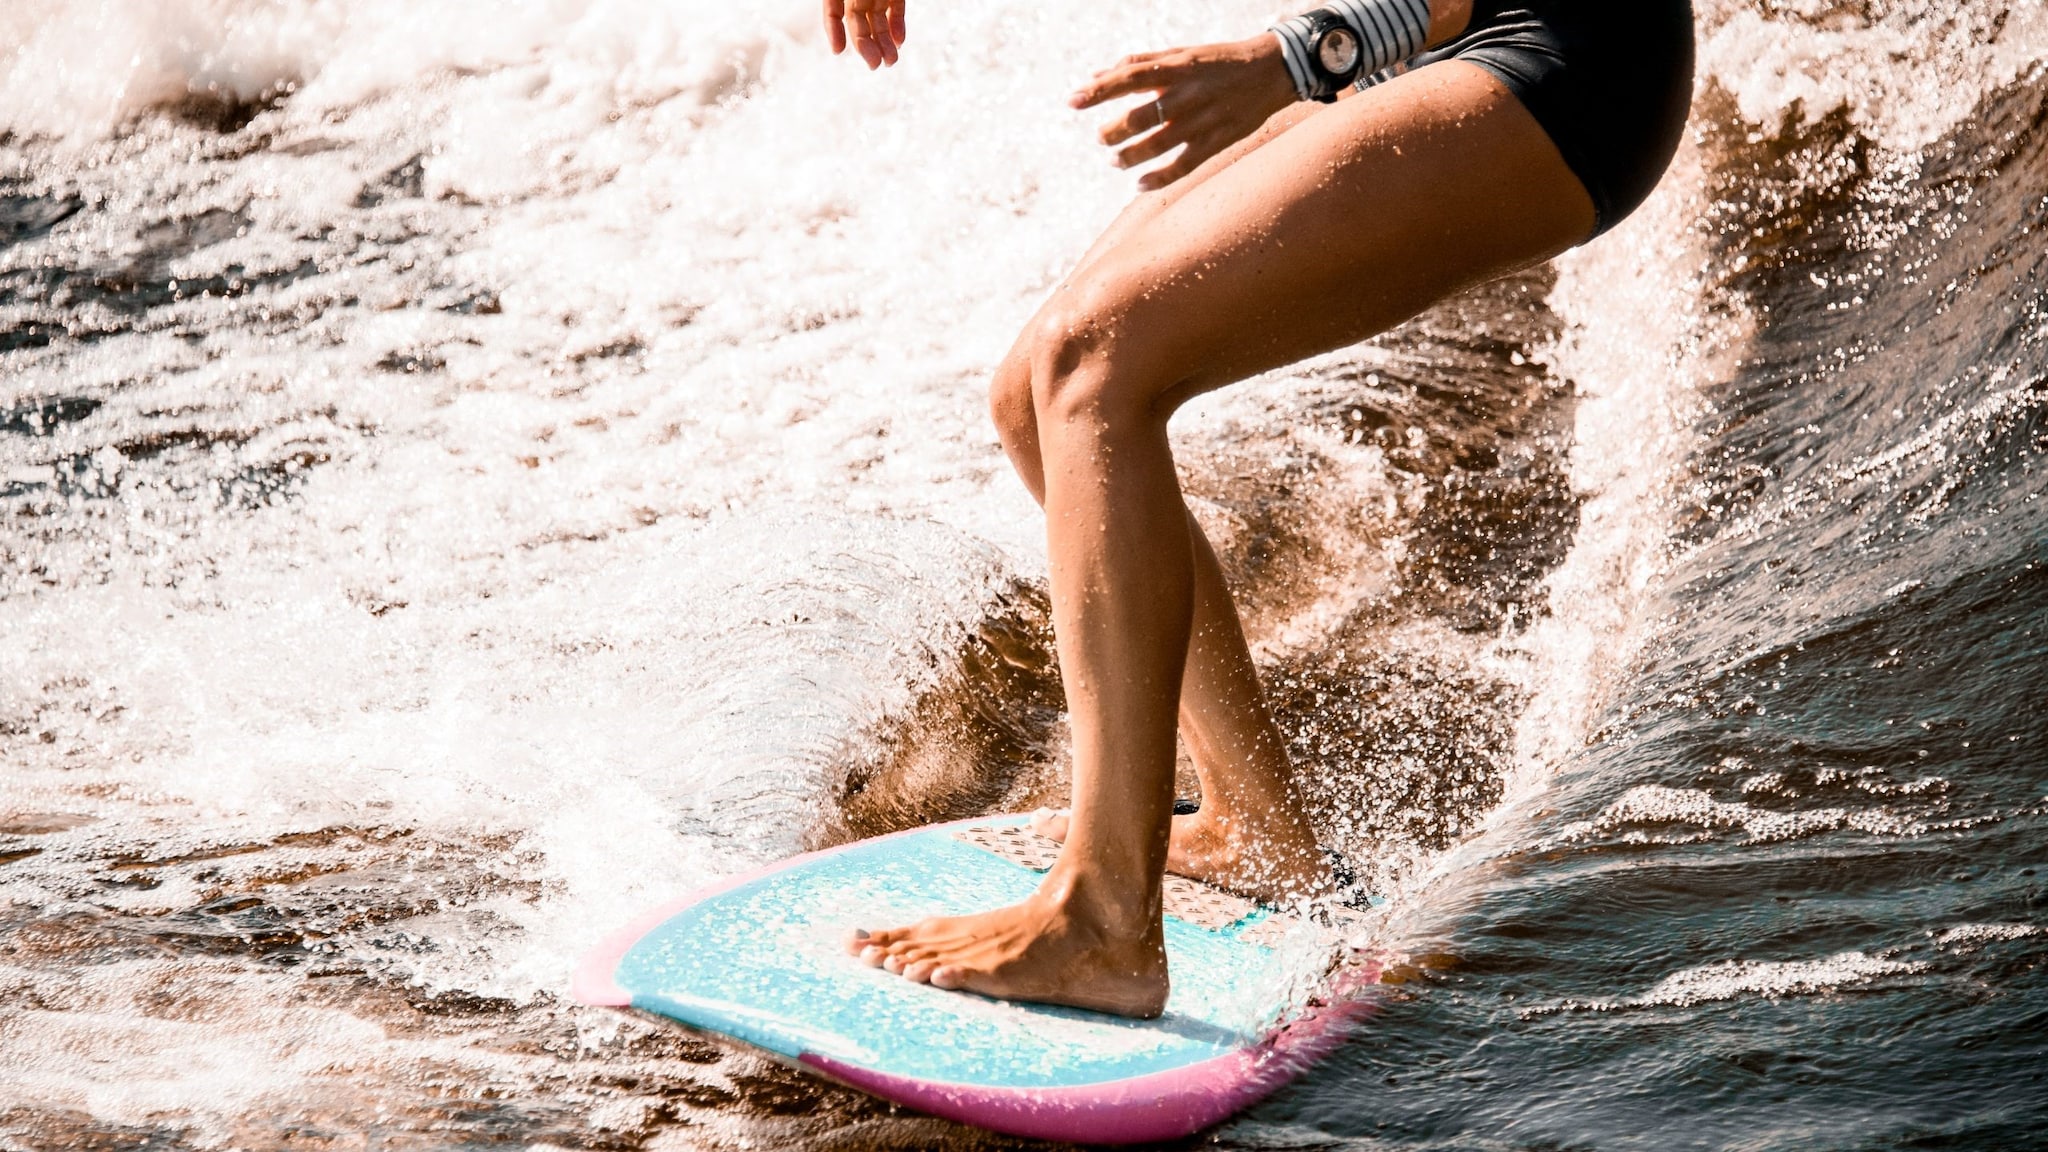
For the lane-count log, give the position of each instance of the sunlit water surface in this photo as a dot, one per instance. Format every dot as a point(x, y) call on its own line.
point(473, 471)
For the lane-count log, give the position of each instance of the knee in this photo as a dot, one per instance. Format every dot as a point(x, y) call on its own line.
point(1010, 404)
point(1083, 359)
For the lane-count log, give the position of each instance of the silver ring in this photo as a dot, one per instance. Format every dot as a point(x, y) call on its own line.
point(1159, 110)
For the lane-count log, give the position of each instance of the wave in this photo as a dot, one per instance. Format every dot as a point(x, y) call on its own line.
point(472, 473)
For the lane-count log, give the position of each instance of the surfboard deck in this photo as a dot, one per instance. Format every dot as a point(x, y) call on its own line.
point(759, 959)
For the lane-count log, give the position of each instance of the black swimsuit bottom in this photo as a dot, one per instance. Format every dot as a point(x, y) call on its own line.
point(1610, 81)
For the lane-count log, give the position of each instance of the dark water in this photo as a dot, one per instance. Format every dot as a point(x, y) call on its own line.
point(1793, 894)
point(348, 666)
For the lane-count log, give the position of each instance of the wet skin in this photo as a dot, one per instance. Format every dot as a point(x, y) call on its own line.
point(1326, 225)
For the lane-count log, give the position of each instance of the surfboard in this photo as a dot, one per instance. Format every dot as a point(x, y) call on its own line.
point(759, 960)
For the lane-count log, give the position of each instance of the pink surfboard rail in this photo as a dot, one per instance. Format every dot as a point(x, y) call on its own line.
point(1140, 1109)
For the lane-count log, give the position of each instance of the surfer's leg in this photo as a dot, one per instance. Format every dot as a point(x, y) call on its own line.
point(1147, 205)
point(1356, 219)
point(1250, 833)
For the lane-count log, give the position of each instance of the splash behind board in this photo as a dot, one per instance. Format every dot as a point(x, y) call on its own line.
point(758, 960)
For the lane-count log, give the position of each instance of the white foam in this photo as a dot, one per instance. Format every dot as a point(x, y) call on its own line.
point(1903, 73)
point(1966, 938)
point(1653, 813)
point(631, 606)
point(1639, 341)
point(591, 714)
point(88, 68)
point(1637, 344)
point(656, 551)
point(1768, 979)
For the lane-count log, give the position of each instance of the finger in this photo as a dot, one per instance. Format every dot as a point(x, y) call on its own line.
point(1203, 143)
point(1130, 61)
point(1124, 79)
point(878, 31)
point(853, 32)
point(897, 26)
point(1121, 81)
point(1205, 137)
point(835, 27)
point(884, 36)
point(1152, 147)
point(1167, 173)
point(1136, 121)
point(860, 15)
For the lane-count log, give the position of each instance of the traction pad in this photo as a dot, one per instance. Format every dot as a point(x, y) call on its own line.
point(1203, 905)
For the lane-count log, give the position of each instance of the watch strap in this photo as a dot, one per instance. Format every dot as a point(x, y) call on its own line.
point(1388, 31)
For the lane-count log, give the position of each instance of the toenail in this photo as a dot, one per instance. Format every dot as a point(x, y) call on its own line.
point(860, 933)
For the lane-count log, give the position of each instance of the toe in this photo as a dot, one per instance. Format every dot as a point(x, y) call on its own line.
point(872, 956)
point(920, 970)
point(856, 941)
point(951, 977)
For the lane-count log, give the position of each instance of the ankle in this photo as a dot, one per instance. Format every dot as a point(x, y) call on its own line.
point(1094, 902)
point(1273, 821)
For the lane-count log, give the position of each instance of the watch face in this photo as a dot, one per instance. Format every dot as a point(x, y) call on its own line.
point(1338, 51)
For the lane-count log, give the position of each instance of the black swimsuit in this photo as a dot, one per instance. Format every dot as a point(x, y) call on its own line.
point(1609, 80)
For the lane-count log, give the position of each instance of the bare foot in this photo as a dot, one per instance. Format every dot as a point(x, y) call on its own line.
point(1223, 852)
point(1048, 950)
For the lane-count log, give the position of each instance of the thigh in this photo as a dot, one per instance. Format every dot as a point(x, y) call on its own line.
point(1350, 222)
point(1147, 205)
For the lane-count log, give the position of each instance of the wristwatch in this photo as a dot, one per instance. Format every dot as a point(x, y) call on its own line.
point(1333, 52)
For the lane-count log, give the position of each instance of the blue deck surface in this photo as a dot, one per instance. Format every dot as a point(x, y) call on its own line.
point(764, 963)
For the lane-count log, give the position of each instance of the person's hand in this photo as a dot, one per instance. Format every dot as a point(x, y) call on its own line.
point(1208, 98)
point(875, 28)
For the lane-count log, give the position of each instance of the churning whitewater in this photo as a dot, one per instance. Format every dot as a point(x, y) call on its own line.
point(474, 471)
